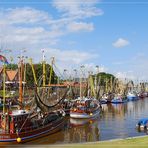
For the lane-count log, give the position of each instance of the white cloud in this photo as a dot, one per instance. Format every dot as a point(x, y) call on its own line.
point(78, 8)
point(30, 25)
point(33, 29)
point(25, 15)
point(70, 56)
point(75, 26)
point(121, 43)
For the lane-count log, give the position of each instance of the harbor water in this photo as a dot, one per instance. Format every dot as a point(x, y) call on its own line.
point(115, 121)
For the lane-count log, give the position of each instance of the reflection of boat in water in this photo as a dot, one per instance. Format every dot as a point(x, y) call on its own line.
point(85, 108)
point(119, 109)
point(84, 130)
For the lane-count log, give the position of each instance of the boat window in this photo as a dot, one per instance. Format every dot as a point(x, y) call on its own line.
point(14, 119)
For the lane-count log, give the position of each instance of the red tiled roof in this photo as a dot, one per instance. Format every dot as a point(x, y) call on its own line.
point(11, 74)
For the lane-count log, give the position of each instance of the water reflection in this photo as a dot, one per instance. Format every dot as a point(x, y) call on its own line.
point(115, 121)
point(84, 130)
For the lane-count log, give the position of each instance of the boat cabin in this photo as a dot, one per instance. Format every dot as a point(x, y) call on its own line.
point(19, 120)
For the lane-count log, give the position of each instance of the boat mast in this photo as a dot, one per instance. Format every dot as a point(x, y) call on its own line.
point(20, 82)
point(111, 85)
point(4, 94)
point(33, 71)
point(44, 71)
point(51, 69)
point(81, 80)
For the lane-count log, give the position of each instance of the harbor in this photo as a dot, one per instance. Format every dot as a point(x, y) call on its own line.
point(116, 122)
point(73, 73)
point(85, 108)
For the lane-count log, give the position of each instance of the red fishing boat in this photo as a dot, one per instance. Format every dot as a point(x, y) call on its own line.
point(22, 125)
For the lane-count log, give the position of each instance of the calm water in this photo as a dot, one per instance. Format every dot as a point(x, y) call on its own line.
point(116, 121)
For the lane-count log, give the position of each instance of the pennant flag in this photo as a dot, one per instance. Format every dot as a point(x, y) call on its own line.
point(3, 59)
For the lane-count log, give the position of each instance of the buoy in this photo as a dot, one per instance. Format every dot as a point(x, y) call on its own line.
point(19, 139)
point(90, 121)
point(91, 114)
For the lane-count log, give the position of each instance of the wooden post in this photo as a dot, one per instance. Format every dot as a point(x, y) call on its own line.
point(20, 83)
point(4, 98)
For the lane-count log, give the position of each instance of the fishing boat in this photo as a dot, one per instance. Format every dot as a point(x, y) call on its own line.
point(131, 96)
point(78, 122)
point(118, 99)
point(85, 108)
point(142, 124)
point(66, 105)
point(142, 95)
point(22, 124)
point(104, 99)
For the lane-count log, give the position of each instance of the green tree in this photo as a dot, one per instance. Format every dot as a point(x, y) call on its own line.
point(39, 73)
point(12, 66)
point(103, 77)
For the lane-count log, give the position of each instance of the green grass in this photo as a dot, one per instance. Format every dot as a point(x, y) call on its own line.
point(141, 142)
point(138, 142)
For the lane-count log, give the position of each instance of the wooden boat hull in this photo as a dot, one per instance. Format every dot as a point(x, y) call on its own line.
point(32, 135)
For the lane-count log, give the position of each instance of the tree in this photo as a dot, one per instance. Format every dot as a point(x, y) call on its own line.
point(104, 77)
point(12, 66)
point(39, 73)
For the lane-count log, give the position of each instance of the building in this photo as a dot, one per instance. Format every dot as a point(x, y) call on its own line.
point(11, 76)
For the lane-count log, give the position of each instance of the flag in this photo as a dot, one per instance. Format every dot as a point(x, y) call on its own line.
point(3, 59)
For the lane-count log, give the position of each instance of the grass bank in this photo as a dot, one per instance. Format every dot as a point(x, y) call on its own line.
point(137, 142)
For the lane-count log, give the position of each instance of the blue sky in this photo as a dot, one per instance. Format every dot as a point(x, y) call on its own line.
point(111, 34)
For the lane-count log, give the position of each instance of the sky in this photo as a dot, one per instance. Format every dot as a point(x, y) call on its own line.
point(109, 33)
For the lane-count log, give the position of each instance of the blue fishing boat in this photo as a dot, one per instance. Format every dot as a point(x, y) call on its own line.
point(131, 96)
point(118, 99)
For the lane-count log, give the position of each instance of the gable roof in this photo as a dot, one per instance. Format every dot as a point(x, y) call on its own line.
point(11, 74)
